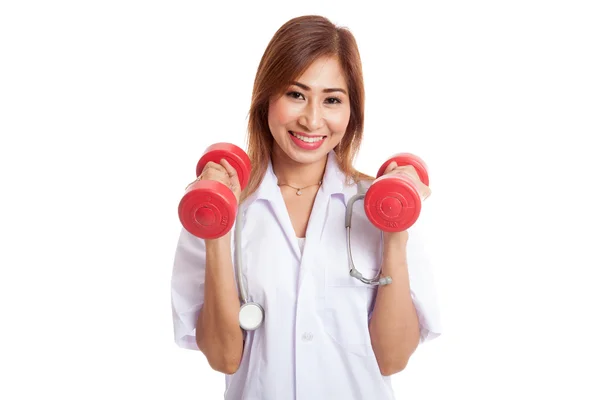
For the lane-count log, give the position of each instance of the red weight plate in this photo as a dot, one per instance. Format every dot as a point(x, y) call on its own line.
point(392, 203)
point(234, 155)
point(208, 209)
point(408, 159)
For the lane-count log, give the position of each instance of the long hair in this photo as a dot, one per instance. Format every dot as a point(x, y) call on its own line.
point(291, 51)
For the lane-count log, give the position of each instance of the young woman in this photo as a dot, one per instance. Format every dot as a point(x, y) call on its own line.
point(325, 334)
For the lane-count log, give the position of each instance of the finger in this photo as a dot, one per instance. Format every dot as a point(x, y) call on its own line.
point(215, 166)
point(410, 170)
point(231, 172)
point(215, 175)
point(423, 189)
point(215, 171)
point(425, 192)
point(391, 166)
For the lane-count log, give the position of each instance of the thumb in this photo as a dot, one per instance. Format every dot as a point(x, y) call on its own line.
point(233, 175)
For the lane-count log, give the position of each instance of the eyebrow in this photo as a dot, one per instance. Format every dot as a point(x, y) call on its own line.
point(329, 90)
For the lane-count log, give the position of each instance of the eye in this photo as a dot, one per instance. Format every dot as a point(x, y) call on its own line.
point(333, 100)
point(295, 95)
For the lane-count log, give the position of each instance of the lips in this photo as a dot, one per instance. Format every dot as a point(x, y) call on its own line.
point(305, 137)
point(306, 142)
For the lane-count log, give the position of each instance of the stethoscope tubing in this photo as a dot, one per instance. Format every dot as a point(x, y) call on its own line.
point(238, 266)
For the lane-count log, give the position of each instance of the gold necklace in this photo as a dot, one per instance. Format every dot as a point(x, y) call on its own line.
point(299, 190)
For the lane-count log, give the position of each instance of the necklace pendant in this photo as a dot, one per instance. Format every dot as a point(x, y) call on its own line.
point(299, 192)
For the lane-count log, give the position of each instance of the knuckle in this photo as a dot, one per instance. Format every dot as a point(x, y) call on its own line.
point(214, 165)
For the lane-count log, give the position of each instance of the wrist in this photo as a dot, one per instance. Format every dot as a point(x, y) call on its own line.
point(394, 245)
point(395, 239)
point(220, 242)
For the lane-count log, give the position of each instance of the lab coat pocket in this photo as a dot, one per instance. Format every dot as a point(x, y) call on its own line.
point(348, 302)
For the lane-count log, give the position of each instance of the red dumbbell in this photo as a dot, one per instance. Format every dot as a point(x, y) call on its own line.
point(208, 208)
point(392, 203)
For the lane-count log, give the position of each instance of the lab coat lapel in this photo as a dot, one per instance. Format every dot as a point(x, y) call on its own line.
point(269, 191)
point(285, 222)
point(333, 183)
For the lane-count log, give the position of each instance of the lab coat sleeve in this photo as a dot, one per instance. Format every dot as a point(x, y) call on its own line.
point(187, 288)
point(422, 284)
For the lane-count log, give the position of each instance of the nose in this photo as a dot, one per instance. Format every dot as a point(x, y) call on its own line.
point(312, 117)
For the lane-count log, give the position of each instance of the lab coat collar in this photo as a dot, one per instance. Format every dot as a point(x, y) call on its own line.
point(334, 182)
point(267, 190)
point(334, 179)
point(334, 185)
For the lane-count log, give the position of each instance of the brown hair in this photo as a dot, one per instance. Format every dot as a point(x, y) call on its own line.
point(293, 48)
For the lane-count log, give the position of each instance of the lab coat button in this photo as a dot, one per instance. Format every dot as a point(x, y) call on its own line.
point(307, 336)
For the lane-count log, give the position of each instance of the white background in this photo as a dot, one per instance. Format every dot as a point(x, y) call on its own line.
point(105, 108)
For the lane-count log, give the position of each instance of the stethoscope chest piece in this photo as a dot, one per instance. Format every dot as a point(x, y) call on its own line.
point(251, 316)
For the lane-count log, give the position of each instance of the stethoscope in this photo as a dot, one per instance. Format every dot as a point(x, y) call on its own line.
point(252, 314)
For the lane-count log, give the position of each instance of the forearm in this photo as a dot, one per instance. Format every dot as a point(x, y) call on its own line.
point(218, 333)
point(394, 325)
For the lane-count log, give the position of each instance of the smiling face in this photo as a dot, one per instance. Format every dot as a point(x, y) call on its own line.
point(312, 115)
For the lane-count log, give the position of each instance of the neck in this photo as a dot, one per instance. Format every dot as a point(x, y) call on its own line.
point(297, 174)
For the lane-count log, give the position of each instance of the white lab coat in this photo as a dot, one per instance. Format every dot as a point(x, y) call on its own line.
point(314, 343)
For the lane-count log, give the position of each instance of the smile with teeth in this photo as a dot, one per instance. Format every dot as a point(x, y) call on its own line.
point(307, 139)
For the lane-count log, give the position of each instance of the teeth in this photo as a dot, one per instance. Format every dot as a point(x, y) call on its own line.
point(307, 139)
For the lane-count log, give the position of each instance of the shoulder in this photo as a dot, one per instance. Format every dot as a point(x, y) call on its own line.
point(354, 187)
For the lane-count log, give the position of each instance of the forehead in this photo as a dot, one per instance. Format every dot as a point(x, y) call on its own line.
point(323, 73)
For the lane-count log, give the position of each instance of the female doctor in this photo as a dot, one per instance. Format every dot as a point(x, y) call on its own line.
point(325, 334)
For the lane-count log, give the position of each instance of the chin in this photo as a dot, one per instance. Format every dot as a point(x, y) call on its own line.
point(306, 157)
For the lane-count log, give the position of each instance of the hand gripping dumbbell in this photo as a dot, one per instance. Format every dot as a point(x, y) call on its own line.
point(208, 208)
point(392, 203)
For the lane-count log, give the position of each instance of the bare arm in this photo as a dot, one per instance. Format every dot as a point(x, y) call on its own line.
point(218, 333)
point(394, 325)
